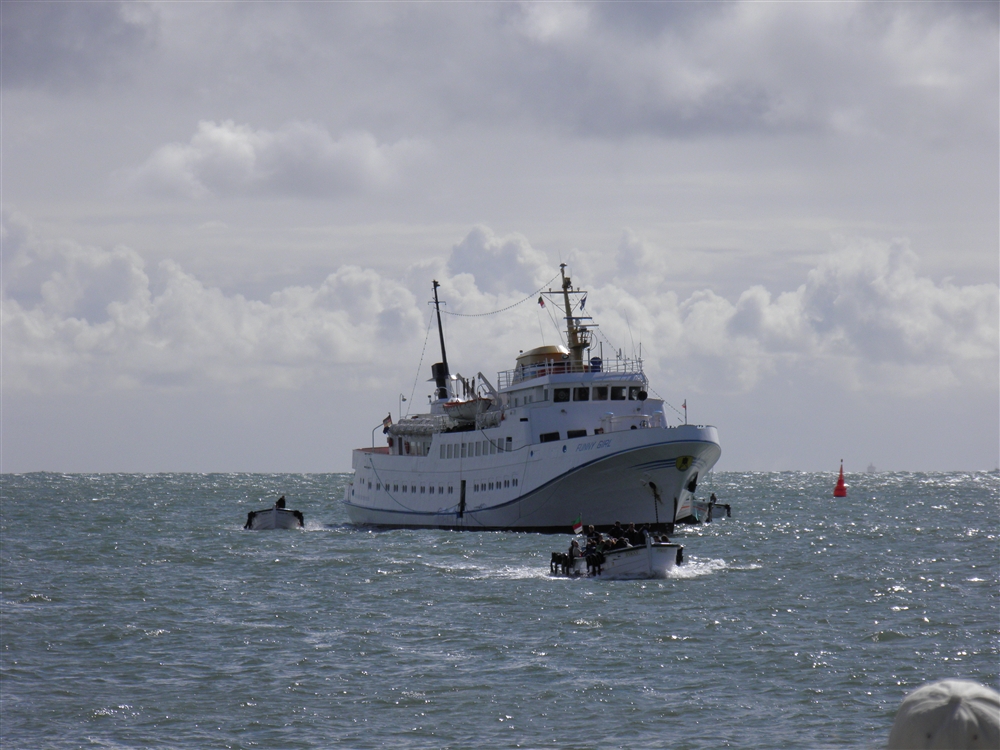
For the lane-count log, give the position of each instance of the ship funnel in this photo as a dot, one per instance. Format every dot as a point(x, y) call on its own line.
point(439, 370)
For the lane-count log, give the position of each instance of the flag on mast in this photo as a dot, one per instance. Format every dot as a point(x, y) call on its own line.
point(578, 525)
point(541, 302)
point(386, 424)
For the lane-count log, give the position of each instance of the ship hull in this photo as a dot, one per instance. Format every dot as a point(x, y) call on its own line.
point(640, 476)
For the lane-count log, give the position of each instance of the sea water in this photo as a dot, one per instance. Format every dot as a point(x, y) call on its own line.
point(137, 613)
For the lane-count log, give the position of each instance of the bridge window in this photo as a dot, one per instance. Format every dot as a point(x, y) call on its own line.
point(633, 392)
point(617, 393)
point(581, 394)
point(560, 395)
point(600, 393)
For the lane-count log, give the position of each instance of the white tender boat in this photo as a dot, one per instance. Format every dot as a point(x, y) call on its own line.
point(652, 560)
point(564, 435)
point(274, 518)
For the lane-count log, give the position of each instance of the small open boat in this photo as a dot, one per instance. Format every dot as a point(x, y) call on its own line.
point(274, 518)
point(654, 560)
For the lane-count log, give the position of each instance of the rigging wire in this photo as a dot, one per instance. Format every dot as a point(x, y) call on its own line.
point(427, 334)
point(505, 309)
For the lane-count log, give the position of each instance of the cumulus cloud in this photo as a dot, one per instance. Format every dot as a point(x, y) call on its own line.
point(300, 158)
point(76, 316)
point(499, 264)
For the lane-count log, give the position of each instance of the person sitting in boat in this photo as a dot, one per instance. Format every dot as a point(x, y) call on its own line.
point(634, 536)
point(280, 504)
point(620, 543)
point(594, 555)
point(574, 551)
point(617, 532)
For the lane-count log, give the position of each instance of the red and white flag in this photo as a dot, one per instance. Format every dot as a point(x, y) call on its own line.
point(577, 525)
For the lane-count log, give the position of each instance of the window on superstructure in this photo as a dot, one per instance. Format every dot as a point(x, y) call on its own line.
point(423, 490)
point(548, 437)
point(510, 444)
point(451, 490)
point(581, 394)
point(493, 447)
point(515, 481)
point(633, 392)
point(576, 433)
point(442, 451)
point(404, 489)
point(430, 490)
point(560, 395)
point(491, 485)
point(617, 393)
point(506, 483)
point(378, 485)
point(395, 488)
point(600, 393)
point(440, 490)
point(463, 450)
point(413, 489)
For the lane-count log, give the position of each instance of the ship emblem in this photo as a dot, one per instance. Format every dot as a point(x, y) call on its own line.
point(684, 462)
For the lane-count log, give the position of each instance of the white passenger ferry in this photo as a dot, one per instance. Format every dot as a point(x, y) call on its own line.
point(563, 437)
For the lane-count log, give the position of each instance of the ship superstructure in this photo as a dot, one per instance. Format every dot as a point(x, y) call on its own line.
point(563, 436)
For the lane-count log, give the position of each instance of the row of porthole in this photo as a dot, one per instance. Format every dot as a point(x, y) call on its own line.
point(411, 488)
point(440, 490)
point(486, 487)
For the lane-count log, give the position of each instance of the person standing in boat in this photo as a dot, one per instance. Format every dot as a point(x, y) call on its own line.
point(280, 504)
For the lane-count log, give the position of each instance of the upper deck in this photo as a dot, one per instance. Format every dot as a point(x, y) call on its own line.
point(618, 367)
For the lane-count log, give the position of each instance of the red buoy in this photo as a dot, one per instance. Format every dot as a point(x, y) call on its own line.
point(841, 489)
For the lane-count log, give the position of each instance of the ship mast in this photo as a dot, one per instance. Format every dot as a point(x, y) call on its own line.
point(440, 369)
point(576, 336)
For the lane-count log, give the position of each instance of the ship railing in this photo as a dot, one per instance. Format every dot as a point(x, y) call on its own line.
point(521, 373)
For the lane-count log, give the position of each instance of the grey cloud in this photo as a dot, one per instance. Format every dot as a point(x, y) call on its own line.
point(68, 45)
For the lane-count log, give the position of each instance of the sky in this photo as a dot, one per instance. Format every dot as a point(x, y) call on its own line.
point(221, 222)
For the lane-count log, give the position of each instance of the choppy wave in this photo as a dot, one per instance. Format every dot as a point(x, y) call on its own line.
point(140, 614)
